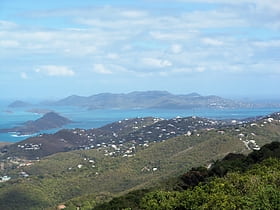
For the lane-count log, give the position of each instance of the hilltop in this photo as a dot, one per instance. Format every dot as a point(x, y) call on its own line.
point(49, 120)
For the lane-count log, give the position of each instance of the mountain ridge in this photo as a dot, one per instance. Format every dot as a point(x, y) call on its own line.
point(153, 99)
point(149, 99)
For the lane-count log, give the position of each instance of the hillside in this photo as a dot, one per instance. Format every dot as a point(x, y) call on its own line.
point(75, 139)
point(138, 131)
point(149, 99)
point(246, 182)
point(99, 174)
point(48, 121)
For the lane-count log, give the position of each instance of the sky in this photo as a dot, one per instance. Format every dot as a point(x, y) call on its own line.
point(53, 49)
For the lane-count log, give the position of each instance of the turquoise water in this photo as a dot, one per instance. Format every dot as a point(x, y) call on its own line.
point(84, 118)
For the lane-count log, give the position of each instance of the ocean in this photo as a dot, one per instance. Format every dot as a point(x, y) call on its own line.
point(84, 118)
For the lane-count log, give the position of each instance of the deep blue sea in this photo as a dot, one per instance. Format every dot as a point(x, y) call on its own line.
point(84, 118)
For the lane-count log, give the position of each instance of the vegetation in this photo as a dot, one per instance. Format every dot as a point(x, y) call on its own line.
point(59, 177)
point(258, 188)
point(255, 186)
point(145, 180)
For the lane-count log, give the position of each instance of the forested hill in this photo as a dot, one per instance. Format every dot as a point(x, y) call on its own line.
point(236, 182)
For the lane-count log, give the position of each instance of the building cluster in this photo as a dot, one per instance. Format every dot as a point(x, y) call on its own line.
point(30, 146)
point(4, 178)
point(123, 137)
point(249, 139)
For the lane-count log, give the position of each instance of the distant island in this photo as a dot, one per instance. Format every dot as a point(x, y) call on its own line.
point(48, 121)
point(144, 100)
point(149, 100)
point(19, 104)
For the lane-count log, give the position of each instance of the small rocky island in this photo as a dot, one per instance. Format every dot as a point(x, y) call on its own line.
point(19, 104)
point(48, 121)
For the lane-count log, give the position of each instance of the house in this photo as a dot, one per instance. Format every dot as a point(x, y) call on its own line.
point(4, 178)
point(61, 206)
point(23, 174)
point(188, 133)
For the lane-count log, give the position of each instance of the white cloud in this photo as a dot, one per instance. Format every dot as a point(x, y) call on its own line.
point(213, 42)
point(218, 1)
point(53, 70)
point(64, 42)
point(171, 40)
point(7, 25)
point(188, 70)
point(213, 19)
point(156, 63)
point(200, 69)
point(183, 35)
point(113, 24)
point(261, 68)
point(110, 69)
point(133, 14)
point(113, 56)
point(101, 69)
point(270, 43)
point(265, 12)
point(267, 5)
point(182, 70)
point(176, 48)
point(23, 75)
point(9, 43)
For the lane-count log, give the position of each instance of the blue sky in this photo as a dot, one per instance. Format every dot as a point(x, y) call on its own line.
point(52, 49)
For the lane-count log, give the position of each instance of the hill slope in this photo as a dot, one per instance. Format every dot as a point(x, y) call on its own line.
point(249, 182)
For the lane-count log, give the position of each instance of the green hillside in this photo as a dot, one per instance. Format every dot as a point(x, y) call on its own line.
point(94, 176)
point(236, 182)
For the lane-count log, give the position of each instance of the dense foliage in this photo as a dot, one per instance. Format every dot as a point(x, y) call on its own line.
point(236, 182)
point(258, 188)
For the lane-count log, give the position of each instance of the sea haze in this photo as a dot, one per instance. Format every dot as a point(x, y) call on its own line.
point(84, 118)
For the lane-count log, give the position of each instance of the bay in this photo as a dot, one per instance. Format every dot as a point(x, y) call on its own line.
point(84, 118)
